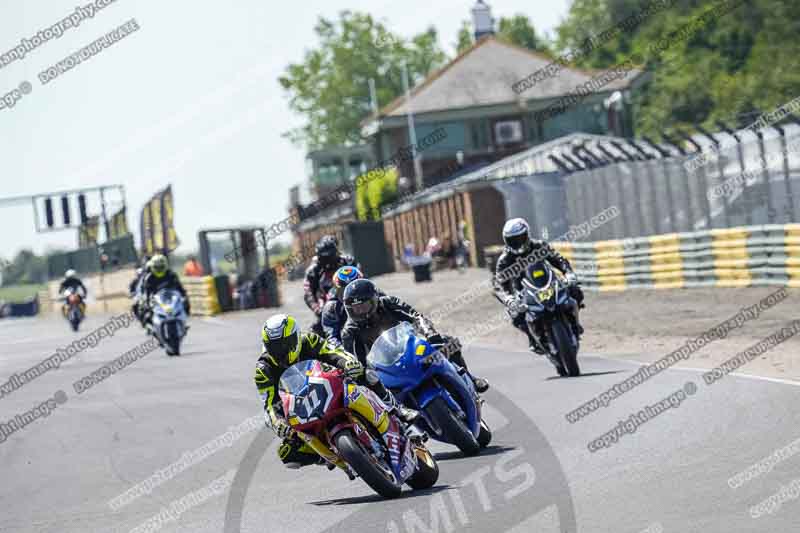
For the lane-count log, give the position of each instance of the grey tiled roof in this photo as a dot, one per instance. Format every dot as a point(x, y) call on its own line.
point(485, 74)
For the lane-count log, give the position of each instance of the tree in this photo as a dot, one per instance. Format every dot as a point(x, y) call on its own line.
point(27, 267)
point(375, 192)
point(737, 65)
point(465, 37)
point(330, 88)
point(516, 30)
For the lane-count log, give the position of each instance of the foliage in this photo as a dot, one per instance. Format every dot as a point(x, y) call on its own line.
point(375, 192)
point(741, 63)
point(20, 293)
point(25, 268)
point(330, 87)
point(516, 30)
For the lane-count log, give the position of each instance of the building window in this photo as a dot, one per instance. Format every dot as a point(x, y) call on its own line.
point(479, 134)
point(584, 118)
point(456, 136)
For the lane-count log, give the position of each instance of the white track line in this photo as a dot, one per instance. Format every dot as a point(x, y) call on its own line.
point(703, 371)
point(684, 368)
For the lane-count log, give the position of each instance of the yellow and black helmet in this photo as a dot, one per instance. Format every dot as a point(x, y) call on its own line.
point(158, 265)
point(281, 336)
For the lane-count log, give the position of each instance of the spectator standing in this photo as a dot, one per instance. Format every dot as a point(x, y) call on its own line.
point(193, 268)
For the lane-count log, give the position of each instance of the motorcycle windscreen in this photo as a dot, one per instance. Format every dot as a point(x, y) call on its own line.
point(538, 275)
point(391, 345)
point(295, 378)
point(167, 297)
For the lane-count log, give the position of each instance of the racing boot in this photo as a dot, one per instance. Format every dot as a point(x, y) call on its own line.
point(480, 384)
point(408, 416)
point(576, 323)
point(296, 454)
point(542, 344)
point(403, 413)
point(534, 346)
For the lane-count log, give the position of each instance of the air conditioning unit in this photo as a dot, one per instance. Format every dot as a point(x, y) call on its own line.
point(508, 132)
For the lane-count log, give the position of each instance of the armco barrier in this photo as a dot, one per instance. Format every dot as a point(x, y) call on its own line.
point(202, 293)
point(736, 257)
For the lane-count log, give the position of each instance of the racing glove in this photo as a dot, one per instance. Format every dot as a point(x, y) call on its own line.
point(571, 278)
point(353, 369)
point(281, 428)
point(514, 306)
point(425, 327)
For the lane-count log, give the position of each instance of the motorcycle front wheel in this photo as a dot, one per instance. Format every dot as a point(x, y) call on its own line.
point(75, 320)
point(351, 451)
point(453, 429)
point(173, 339)
point(567, 351)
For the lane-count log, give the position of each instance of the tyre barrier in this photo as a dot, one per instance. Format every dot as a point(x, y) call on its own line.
point(202, 293)
point(750, 256)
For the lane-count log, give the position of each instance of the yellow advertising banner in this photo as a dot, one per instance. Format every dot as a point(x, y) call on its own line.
point(157, 224)
point(119, 224)
point(88, 233)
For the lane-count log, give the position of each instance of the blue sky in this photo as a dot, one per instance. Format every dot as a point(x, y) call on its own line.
point(190, 99)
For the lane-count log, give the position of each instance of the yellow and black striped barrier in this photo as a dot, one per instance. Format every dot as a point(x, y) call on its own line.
point(736, 257)
point(202, 293)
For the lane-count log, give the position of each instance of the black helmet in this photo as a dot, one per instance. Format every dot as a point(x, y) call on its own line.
point(360, 300)
point(327, 250)
point(281, 337)
point(517, 236)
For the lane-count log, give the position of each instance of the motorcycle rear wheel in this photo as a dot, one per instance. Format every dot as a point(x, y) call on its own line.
point(427, 473)
point(351, 451)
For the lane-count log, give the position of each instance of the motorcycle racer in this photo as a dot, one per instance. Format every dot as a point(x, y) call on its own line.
point(72, 281)
point(135, 290)
point(334, 314)
point(319, 276)
point(284, 345)
point(521, 250)
point(162, 277)
point(369, 314)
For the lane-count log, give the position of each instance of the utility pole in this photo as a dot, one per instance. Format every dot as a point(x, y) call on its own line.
point(412, 132)
point(103, 212)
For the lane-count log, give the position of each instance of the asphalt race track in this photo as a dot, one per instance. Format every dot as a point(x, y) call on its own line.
point(60, 472)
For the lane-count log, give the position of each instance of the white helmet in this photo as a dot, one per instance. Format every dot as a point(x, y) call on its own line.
point(70, 273)
point(517, 235)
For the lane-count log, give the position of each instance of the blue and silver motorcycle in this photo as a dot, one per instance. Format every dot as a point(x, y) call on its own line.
point(424, 379)
point(549, 308)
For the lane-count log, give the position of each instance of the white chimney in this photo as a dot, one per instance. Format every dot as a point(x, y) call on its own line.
point(482, 20)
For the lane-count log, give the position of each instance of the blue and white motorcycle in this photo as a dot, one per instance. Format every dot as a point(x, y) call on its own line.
point(424, 379)
point(169, 320)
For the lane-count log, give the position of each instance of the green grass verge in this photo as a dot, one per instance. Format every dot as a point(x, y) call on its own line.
point(19, 293)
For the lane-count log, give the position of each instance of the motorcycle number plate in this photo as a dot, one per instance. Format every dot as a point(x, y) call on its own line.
point(313, 403)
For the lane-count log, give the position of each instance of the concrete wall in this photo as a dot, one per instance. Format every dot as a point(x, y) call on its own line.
point(107, 293)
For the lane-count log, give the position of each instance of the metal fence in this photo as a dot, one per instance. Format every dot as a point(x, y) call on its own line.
point(748, 179)
point(120, 252)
